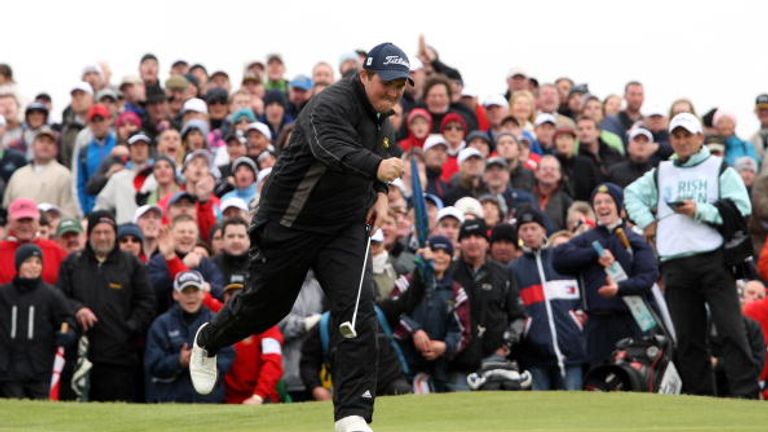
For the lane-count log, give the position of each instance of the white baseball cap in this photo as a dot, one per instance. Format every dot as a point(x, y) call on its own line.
point(515, 71)
point(195, 105)
point(82, 86)
point(434, 140)
point(146, 208)
point(450, 211)
point(495, 99)
point(378, 236)
point(235, 202)
point(687, 121)
point(260, 127)
point(469, 205)
point(635, 132)
point(544, 118)
point(262, 175)
point(468, 153)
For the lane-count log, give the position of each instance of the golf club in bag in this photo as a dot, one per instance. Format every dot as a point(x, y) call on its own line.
point(347, 328)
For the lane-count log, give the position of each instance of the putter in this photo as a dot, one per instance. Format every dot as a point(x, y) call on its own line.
point(347, 328)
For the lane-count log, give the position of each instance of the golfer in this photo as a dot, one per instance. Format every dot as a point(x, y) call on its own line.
point(329, 181)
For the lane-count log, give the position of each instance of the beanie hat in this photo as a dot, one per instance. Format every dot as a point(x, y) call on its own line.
point(452, 117)
point(25, 251)
point(529, 215)
point(472, 227)
point(100, 216)
point(504, 232)
point(611, 189)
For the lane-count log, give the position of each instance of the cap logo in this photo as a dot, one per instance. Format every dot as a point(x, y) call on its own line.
point(369, 61)
point(396, 60)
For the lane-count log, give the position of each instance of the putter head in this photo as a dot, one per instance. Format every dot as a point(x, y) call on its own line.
point(347, 330)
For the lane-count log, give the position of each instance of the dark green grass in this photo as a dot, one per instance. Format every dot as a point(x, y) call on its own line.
point(493, 411)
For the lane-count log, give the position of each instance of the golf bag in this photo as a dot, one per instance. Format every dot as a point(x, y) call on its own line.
point(499, 374)
point(639, 365)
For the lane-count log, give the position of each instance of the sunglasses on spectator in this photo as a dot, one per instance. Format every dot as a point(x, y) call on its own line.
point(129, 239)
point(454, 127)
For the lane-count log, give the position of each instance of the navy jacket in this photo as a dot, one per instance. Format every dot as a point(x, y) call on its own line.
point(579, 259)
point(551, 307)
point(166, 380)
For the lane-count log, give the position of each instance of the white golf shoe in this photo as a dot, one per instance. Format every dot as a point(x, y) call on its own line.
point(352, 424)
point(202, 369)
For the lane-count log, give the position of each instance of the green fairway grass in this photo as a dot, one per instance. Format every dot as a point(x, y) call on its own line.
point(487, 411)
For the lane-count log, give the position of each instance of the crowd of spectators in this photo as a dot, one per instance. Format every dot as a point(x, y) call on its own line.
point(128, 222)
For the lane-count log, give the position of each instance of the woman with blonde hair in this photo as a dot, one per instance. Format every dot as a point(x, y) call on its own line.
point(522, 107)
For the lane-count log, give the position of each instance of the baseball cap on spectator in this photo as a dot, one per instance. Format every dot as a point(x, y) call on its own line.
point(274, 57)
point(233, 202)
point(83, 87)
point(348, 56)
point(530, 215)
point(715, 144)
point(269, 151)
point(243, 113)
point(745, 163)
point(581, 89)
point(544, 118)
point(452, 212)
point(469, 205)
point(275, 96)
point(45, 131)
point(146, 208)
point(138, 136)
point(301, 82)
point(261, 128)
point(25, 252)
point(495, 100)
point(378, 236)
point(107, 93)
point(504, 232)
point(251, 77)
point(48, 207)
point(517, 71)
point(467, 153)
point(419, 112)
point(637, 131)
point(187, 279)
point(69, 226)
point(200, 153)
point(472, 227)
point(100, 217)
point(23, 208)
point(194, 105)
point(129, 229)
point(36, 107)
point(438, 242)
point(128, 117)
point(468, 92)
point(434, 199)
point(564, 130)
point(452, 117)
point(687, 121)
point(261, 177)
point(612, 189)
point(181, 195)
point(655, 111)
point(496, 161)
point(434, 140)
point(129, 80)
point(195, 124)
point(97, 110)
point(478, 134)
point(245, 160)
point(217, 95)
point(761, 102)
point(177, 82)
point(389, 62)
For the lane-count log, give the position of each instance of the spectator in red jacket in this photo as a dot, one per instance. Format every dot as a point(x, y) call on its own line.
point(419, 123)
point(23, 224)
point(258, 366)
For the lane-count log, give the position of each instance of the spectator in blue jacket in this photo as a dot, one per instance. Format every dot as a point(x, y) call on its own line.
point(609, 318)
point(553, 348)
point(176, 247)
point(244, 172)
point(735, 147)
point(166, 359)
point(89, 158)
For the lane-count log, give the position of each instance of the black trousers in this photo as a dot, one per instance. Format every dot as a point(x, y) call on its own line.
point(281, 258)
point(25, 389)
point(604, 330)
point(691, 283)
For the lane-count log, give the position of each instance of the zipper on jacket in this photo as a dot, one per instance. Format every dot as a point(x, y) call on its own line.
point(550, 315)
point(14, 317)
point(31, 323)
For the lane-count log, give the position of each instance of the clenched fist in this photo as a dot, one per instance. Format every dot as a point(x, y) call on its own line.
point(390, 169)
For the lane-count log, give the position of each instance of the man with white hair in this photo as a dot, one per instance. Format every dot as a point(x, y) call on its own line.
point(693, 195)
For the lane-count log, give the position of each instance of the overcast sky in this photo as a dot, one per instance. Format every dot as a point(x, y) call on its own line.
point(711, 52)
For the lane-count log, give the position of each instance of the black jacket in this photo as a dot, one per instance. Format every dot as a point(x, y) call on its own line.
point(580, 176)
point(625, 172)
point(231, 265)
point(118, 292)
point(325, 178)
point(494, 306)
point(26, 352)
